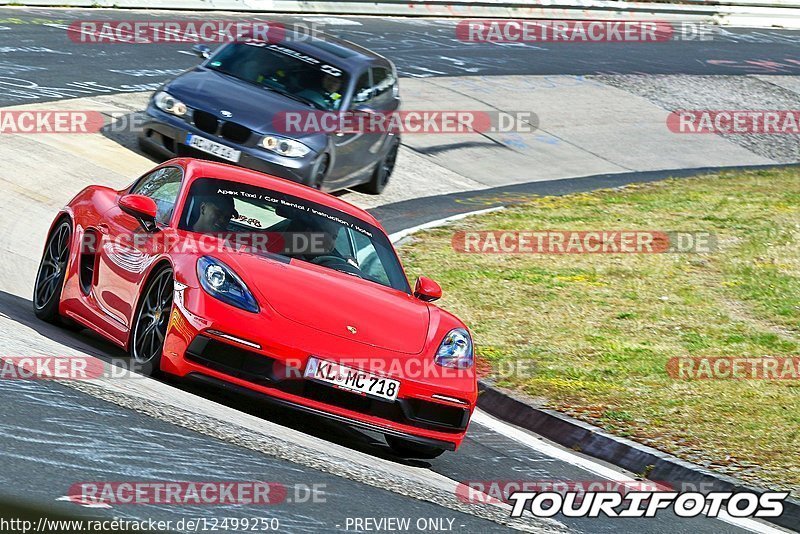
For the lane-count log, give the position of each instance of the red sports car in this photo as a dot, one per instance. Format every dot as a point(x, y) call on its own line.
point(229, 276)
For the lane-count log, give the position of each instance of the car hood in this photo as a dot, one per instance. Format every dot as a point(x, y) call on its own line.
point(331, 301)
point(251, 106)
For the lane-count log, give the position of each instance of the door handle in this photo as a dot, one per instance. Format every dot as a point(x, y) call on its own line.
point(103, 228)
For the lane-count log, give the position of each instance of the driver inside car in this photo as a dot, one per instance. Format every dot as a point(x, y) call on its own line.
point(331, 86)
point(314, 238)
point(214, 213)
point(329, 97)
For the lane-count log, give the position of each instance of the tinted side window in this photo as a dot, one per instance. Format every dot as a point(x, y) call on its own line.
point(162, 186)
point(383, 86)
point(363, 90)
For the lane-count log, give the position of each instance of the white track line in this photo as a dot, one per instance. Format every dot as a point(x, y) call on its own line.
point(397, 236)
point(484, 419)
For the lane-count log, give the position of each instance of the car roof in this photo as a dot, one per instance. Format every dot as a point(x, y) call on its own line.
point(333, 50)
point(196, 168)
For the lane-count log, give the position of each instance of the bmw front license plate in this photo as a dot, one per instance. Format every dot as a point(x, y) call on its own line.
point(212, 147)
point(350, 379)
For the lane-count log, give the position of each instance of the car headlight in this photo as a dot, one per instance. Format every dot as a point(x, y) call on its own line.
point(285, 147)
point(170, 104)
point(455, 350)
point(222, 283)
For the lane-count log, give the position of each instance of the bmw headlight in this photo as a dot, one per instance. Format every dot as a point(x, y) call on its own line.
point(166, 102)
point(222, 283)
point(285, 147)
point(455, 350)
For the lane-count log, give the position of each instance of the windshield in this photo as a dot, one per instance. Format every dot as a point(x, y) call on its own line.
point(283, 70)
point(273, 223)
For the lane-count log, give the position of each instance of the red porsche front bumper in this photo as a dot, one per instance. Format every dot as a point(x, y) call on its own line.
point(265, 354)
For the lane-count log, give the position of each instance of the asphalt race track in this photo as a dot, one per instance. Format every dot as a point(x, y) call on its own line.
point(62, 68)
point(55, 435)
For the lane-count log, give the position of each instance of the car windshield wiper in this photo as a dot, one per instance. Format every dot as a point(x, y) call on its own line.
point(226, 72)
point(293, 96)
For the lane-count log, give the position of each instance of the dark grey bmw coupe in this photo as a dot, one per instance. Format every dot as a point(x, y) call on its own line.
point(234, 107)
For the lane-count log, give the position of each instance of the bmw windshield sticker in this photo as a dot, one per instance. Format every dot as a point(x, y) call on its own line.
point(329, 69)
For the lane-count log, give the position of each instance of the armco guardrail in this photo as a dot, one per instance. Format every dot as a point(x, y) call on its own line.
point(753, 13)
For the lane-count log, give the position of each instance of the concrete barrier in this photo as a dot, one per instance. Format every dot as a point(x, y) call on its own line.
point(751, 13)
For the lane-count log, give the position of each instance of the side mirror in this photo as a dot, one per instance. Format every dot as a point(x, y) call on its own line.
point(367, 110)
point(427, 290)
point(143, 208)
point(202, 51)
point(360, 109)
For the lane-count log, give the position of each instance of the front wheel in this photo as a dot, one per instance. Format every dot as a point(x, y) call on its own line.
point(152, 320)
point(52, 272)
point(409, 449)
point(382, 173)
point(320, 171)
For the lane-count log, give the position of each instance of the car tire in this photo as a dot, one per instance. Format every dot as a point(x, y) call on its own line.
point(320, 171)
point(383, 171)
point(409, 449)
point(144, 147)
point(151, 322)
point(149, 150)
point(52, 273)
